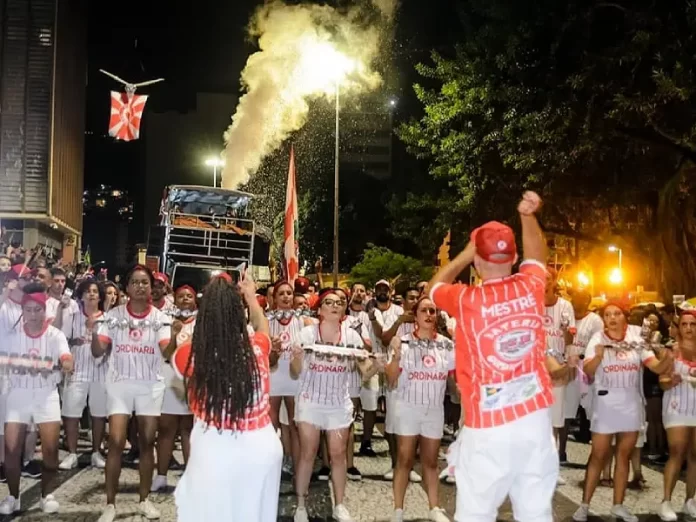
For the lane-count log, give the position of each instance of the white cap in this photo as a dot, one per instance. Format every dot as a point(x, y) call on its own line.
point(383, 282)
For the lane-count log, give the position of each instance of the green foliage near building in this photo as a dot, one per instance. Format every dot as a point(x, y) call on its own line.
point(382, 263)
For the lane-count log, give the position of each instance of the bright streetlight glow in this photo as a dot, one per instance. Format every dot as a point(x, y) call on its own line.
point(215, 162)
point(613, 248)
point(322, 66)
point(616, 277)
point(583, 279)
point(393, 102)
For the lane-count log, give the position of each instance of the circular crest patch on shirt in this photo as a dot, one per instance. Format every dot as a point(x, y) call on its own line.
point(428, 361)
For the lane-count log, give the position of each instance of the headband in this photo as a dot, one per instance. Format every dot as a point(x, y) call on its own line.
point(225, 276)
point(618, 303)
point(277, 286)
point(325, 293)
point(36, 297)
point(185, 287)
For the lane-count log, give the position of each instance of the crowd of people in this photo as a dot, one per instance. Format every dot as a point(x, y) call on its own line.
point(260, 383)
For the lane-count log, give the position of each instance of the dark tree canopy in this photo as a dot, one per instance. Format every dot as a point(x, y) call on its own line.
point(589, 102)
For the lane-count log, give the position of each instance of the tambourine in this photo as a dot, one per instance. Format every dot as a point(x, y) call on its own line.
point(424, 344)
point(340, 351)
point(113, 323)
point(23, 364)
point(635, 346)
point(287, 314)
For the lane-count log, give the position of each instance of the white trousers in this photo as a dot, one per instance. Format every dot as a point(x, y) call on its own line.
point(231, 476)
point(518, 459)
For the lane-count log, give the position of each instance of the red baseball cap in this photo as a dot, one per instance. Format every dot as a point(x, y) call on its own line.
point(495, 243)
point(159, 276)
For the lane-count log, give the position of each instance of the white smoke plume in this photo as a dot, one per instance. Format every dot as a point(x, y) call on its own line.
point(386, 7)
point(303, 49)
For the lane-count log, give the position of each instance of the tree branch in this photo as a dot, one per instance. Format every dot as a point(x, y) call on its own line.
point(658, 137)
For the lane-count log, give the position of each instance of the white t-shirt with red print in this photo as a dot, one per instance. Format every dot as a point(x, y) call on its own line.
point(500, 345)
point(136, 352)
point(44, 351)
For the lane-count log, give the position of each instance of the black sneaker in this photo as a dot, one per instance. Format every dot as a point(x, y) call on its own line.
point(3, 478)
point(563, 458)
point(32, 470)
point(367, 451)
point(132, 457)
point(354, 473)
point(324, 473)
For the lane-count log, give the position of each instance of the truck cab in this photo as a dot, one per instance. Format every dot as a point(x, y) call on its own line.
point(204, 231)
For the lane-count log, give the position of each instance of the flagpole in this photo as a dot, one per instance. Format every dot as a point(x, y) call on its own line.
point(336, 179)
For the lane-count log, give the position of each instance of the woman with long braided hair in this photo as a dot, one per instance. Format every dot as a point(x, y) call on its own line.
point(233, 472)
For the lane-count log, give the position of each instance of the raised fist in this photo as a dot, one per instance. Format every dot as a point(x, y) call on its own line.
point(530, 203)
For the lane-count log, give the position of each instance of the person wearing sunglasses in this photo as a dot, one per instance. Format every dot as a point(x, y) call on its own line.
point(323, 400)
point(421, 364)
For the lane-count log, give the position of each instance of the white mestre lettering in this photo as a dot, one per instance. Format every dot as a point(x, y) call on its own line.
point(509, 307)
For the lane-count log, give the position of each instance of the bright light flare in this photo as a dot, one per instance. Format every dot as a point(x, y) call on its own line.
point(583, 279)
point(613, 248)
point(322, 67)
point(214, 162)
point(615, 276)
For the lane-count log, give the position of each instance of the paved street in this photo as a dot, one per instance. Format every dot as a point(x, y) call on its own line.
point(81, 495)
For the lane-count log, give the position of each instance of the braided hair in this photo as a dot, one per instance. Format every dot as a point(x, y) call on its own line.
point(225, 380)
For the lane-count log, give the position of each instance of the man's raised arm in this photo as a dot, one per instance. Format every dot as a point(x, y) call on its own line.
point(448, 273)
point(533, 241)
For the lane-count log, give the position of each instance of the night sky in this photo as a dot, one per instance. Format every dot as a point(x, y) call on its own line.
point(202, 47)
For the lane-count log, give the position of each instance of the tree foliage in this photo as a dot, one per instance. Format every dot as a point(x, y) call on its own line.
point(381, 263)
point(591, 103)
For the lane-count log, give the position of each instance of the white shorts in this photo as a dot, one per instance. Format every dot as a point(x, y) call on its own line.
point(518, 459)
point(282, 384)
point(572, 399)
point(557, 410)
point(174, 402)
point(75, 396)
point(674, 420)
point(411, 421)
point(390, 417)
point(617, 410)
point(369, 394)
point(32, 406)
point(126, 397)
point(324, 417)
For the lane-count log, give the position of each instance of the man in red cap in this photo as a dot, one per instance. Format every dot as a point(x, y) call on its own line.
point(505, 447)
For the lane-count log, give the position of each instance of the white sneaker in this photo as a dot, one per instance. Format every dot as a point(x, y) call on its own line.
point(301, 514)
point(49, 504)
point(450, 480)
point(619, 511)
point(666, 512)
point(158, 483)
point(581, 513)
point(561, 481)
point(398, 515)
point(340, 514)
point(98, 460)
point(389, 475)
point(414, 477)
point(438, 515)
point(109, 514)
point(69, 462)
point(9, 505)
point(690, 508)
point(148, 510)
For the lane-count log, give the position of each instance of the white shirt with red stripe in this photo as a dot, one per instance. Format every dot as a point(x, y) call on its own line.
point(326, 381)
point(44, 351)
point(87, 367)
point(136, 353)
point(52, 305)
point(289, 333)
point(186, 333)
point(424, 370)
point(553, 320)
point(386, 319)
point(585, 329)
point(362, 325)
point(258, 415)
point(500, 345)
point(680, 400)
point(619, 369)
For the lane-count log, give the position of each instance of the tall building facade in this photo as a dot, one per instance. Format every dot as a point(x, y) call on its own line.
point(43, 66)
point(108, 214)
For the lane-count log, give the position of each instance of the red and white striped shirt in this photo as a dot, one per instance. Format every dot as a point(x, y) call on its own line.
point(257, 416)
point(289, 334)
point(87, 367)
point(424, 370)
point(136, 353)
point(681, 399)
point(326, 381)
point(44, 351)
point(500, 345)
point(619, 368)
point(386, 319)
point(553, 319)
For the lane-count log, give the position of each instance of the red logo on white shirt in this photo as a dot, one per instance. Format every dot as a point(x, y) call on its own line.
point(429, 361)
point(620, 354)
point(135, 334)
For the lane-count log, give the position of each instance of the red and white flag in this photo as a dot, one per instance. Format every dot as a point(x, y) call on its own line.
point(126, 113)
point(291, 252)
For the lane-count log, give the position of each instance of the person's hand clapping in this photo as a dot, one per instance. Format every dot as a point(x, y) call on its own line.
point(530, 203)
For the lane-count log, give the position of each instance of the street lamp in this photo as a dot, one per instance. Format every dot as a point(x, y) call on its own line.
point(613, 248)
point(215, 163)
point(615, 276)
